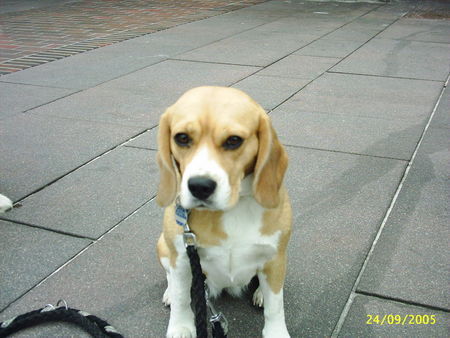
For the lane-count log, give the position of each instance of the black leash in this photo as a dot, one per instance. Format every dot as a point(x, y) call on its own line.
point(93, 325)
point(199, 290)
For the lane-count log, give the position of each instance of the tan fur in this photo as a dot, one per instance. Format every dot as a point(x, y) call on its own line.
point(274, 220)
point(210, 115)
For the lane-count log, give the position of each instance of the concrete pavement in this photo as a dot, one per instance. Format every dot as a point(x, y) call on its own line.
point(357, 93)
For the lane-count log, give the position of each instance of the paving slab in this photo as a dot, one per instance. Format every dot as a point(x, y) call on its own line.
point(147, 140)
point(300, 66)
point(259, 47)
point(138, 99)
point(28, 256)
point(90, 68)
point(350, 134)
point(441, 117)
point(41, 149)
point(330, 48)
point(91, 200)
point(419, 30)
point(338, 200)
point(269, 92)
point(399, 58)
point(118, 279)
point(394, 325)
point(410, 260)
point(353, 32)
point(368, 96)
point(16, 98)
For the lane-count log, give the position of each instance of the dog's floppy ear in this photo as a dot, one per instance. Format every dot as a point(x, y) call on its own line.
point(168, 178)
point(270, 167)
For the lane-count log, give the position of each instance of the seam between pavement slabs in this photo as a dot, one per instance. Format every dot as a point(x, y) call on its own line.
point(387, 76)
point(216, 63)
point(361, 116)
point(345, 152)
point(402, 301)
point(93, 241)
point(79, 167)
point(35, 85)
point(65, 233)
point(353, 292)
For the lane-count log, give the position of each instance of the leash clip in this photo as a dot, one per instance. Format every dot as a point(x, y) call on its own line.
point(189, 239)
point(216, 317)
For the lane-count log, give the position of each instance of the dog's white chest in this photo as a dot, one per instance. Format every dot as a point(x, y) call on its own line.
point(245, 251)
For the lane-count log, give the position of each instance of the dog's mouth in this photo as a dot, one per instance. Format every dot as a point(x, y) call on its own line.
point(204, 205)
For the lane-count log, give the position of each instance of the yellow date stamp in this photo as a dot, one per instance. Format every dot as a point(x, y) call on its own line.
point(395, 319)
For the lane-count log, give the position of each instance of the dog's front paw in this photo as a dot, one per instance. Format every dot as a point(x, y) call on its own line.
point(181, 332)
point(258, 298)
point(166, 298)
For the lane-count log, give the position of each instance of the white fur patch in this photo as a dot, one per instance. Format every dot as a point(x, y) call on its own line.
point(237, 260)
point(5, 203)
point(203, 165)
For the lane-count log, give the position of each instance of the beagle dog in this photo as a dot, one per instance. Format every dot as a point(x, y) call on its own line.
point(220, 158)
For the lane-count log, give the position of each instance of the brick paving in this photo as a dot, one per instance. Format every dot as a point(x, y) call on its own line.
point(431, 9)
point(32, 37)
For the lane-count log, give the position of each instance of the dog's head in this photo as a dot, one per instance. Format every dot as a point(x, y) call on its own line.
point(209, 141)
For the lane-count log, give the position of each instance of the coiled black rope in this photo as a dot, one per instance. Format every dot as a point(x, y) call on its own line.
point(93, 325)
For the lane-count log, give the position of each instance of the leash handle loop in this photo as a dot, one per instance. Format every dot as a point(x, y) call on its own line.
point(93, 325)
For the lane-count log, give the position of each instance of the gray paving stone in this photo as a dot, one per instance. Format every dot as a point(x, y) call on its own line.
point(90, 68)
point(368, 96)
point(330, 48)
point(355, 31)
point(399, 58)
point(338, 200)
point(148, 140)
point(91, 200)
point(15, 98)
point(270, 91)
point(441, 117)
point(38, 149)
point(138, 99)
point(410, 260)
point(300, 66)
point(259, 47)
point(28, 256)
point(419, 30)
point(359, 135)
point(356, 325)
point(118, 279)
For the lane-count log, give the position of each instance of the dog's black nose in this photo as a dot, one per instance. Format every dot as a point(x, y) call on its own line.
point(201, 187)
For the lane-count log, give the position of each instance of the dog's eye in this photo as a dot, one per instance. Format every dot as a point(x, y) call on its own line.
point(233, 142)
point(182, 139)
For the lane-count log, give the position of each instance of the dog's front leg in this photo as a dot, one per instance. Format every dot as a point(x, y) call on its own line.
point(271, 281)
point(181, 323)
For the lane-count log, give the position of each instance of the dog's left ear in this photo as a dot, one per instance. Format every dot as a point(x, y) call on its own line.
point(168, 178)
point(270, 167)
